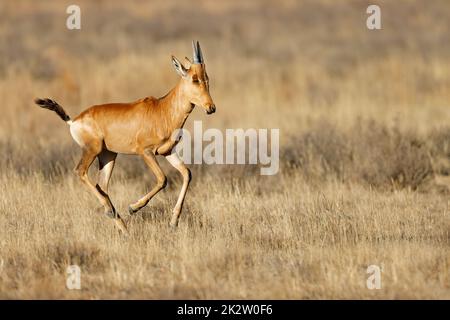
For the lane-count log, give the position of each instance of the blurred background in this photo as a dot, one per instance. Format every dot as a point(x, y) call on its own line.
point(307, 67)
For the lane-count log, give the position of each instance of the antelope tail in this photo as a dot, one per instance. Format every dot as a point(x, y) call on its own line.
point(54, 106)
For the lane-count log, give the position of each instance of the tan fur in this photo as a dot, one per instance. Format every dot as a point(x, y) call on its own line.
point(147, 123)
point(143, 127)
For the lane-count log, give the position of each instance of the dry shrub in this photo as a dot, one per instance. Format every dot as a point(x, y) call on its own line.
point(439, 147)
point(367, 152)
point(49, 160)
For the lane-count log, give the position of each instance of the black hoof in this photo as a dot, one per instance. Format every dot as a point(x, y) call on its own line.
point(131, 211)
point(112, 214)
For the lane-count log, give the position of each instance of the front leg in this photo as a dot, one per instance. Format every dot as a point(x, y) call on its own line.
point(150, 160)
point(176, 162)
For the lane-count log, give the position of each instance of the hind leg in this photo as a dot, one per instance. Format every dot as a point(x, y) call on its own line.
point(106, 161)
point(82, 168)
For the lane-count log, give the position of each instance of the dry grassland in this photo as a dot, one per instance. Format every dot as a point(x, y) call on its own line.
point(364, 121)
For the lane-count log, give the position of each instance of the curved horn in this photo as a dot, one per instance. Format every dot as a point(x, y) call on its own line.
point(199, 51)
point(195, 56)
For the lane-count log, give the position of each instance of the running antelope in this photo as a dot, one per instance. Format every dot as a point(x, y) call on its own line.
point(144, 127)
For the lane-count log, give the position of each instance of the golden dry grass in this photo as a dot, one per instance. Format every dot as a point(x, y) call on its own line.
point(364, 166)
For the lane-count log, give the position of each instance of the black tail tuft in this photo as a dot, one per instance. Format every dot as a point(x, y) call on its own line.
point(54, 106)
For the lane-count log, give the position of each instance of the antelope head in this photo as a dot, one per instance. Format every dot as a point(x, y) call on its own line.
point(194, 80)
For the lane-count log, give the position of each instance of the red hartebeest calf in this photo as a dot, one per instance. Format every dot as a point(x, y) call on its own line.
point(144, 127)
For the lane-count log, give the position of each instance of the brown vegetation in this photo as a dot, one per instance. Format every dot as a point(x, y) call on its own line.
point(364, 122)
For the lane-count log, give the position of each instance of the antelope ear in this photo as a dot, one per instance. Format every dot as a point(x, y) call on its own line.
point(181, 70)
point(188, 62)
